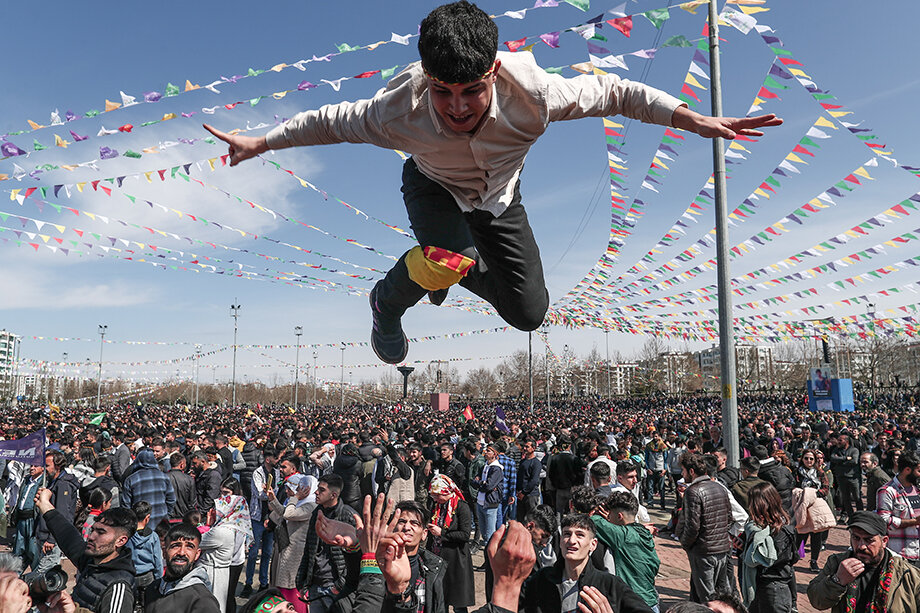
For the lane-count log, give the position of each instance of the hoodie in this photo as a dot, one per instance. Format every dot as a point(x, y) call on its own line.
point(146, 552)
point(192, 592)
point(147, 482)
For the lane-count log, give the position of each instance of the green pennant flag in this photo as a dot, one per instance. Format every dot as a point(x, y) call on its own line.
point(172, 90)
point(583, 5)
point(345, 48)
point(677, 41)
point(657, 16)
point(554, 69)
point(386, 73)
point(37, 145)
point(131, 154)
point(96, 418)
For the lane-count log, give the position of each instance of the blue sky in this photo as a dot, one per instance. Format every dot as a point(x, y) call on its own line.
point(75, 59)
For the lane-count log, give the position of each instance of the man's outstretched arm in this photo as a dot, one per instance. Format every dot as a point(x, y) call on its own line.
point(726, 127)
point(241, 147)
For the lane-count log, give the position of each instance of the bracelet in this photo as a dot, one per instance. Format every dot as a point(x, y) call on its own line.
point(353, 549)
point(369, 556)
point(369, 566)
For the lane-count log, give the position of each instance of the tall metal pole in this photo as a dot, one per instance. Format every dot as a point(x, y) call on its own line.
point(197, 371)
point(607, 344)
point(298, 330)
point(726, 330)
point(342, 381)
point(530, 365)
point(102, 330)
point(234, 313)
point(314, 379)
point(546, 361)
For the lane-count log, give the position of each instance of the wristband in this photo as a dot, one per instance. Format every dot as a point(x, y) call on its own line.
point(369, 556)
point(369, 567)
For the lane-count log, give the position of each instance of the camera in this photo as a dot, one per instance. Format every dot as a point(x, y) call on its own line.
point(43, 585)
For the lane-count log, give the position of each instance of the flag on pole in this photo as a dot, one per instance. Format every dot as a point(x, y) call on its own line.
point(28, 449)
point(96, 418)
point(500, 420)
point(467, 414)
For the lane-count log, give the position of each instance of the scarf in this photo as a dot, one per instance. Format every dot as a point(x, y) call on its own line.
point(879, 603)
point(233, 513)
point(445, 512)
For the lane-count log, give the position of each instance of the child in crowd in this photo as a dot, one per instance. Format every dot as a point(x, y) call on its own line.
point(146, 550)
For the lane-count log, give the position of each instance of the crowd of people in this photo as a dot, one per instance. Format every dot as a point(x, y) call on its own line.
point(185, 509)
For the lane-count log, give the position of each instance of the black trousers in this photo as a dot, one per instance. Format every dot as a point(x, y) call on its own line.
point(508, 273)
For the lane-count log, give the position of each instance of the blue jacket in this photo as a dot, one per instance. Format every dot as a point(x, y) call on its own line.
point(146, 552)
point(147, 482)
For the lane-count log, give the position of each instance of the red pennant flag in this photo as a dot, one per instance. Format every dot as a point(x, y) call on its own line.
point(766, 93)
point(365, 75)
point(852, 179)
point(801, 149)
point(514, 45)
point(623, 24)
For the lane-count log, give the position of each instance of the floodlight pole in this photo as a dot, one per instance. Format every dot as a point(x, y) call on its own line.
point(298, 331)
point(234, 313)
point(102, 330)
point(726, 329)
point(197, 370)
point(530, 366)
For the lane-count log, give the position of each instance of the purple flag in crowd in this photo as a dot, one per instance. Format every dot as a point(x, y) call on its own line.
point(500, 420)
point(28, 449)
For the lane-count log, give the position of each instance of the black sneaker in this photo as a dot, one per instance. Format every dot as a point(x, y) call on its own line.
point(246, 592)
point(814, 566)
point(388, 340)
point(437, 297)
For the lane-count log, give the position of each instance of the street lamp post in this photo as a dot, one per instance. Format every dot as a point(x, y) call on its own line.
point(298, 330)
point(315, 354)
point(607, 343)
point(546, 361)
point(342, 381)
point(197, 369)
point(102, 330)
point(234, 313)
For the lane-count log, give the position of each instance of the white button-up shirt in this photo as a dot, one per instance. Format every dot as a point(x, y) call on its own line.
point(480, 169)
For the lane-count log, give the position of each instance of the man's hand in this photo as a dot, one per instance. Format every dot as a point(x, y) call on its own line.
point(14, 595)
point(594, 601)
point(43, 500)
point(373, 527)
point(849, 570)
point(511, 556)
point(434, 529)
point(725, 127)
point(241, 147)
point(47, 547)
point(58, 602)
point(335, 532)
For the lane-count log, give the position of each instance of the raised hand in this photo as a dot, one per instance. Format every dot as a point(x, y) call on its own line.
point(373, 526)
point(335, 532)
point(241, 147)
point(593, 601)
point(511, 557)
point(725, 127)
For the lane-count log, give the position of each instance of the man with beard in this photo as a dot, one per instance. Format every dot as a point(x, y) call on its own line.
point(183, 588)
point(899, 506)
point(868, 576)
point(105, 583)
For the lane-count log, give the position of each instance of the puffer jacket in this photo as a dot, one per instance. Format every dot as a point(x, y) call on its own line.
point(812, 513)
point(253, 458)
point(348, 465)
point(781, 478)
point(345, 565)
point(706, 518)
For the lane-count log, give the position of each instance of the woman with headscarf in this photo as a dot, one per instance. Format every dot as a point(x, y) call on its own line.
point(231, 529)
point(449, 538)
point(293, 521)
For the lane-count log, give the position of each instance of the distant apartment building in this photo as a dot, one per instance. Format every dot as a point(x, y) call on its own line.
point(754, 367)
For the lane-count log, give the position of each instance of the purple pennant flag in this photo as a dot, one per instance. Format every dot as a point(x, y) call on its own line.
point(597, 20)
point(28, 449)
point(10, 150)
point(69, 116)
point(57, 188)
point(551, 39)
point(77, 137)
point(835, 191)
point(305, 85)
point(107, 154)
point(771, 39)
point(152, 96)
point(596, 49)
point(777, 71)
point(699, 57)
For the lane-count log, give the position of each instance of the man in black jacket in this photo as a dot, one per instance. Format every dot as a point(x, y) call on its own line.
point(528, 480)
point(554, 589)
point(184, 588)
point(207, 481)
point(63, 490)
point(183, 485)
point(327, 572)
point(562, 472)
point(777, 475)
point(845, 466)
point(450, 466)
point(105, 583)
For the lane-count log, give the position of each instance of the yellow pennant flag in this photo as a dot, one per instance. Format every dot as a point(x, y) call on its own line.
point(60, 142)
point(111, 106)
point(825, 123)
point(189, 87)
point(862, 172)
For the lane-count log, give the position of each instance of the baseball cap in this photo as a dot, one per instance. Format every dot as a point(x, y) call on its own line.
point(869, 522)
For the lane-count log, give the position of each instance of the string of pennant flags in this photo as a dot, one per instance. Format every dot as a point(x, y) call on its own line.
point(152, 97)
point(588, 30)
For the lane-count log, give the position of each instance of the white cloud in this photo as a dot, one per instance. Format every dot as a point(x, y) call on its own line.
point(28, 289)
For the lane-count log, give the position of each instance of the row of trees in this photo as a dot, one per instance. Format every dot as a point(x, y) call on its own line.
point(877, 363)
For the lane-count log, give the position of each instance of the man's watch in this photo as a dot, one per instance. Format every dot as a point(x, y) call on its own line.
point(834, 579)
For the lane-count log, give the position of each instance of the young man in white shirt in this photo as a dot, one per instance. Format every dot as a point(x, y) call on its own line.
point(469, 115)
